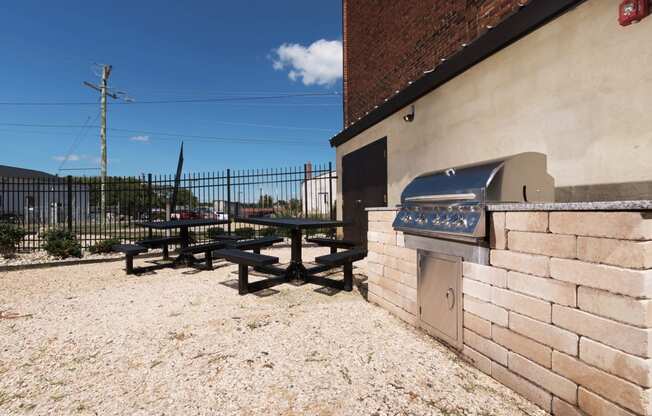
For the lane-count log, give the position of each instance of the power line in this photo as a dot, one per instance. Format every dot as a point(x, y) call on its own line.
point(171, 101)
point(175, 137)
point(272, 126)
point(204, 91)
point(78, 169)
point(76, 141)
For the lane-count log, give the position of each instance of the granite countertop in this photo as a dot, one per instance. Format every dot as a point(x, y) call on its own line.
point(396, 208)
point(573, 206)
point(642, 205)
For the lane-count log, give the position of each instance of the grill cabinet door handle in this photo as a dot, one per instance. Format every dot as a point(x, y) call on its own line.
point(450, 298)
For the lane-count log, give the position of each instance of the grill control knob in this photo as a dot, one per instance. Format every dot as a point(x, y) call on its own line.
point(453, 220)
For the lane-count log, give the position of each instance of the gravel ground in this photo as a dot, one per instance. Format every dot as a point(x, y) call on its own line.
point(40, 257)
point(89, 340)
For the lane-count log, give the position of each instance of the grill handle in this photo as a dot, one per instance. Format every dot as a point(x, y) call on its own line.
point(441, 197)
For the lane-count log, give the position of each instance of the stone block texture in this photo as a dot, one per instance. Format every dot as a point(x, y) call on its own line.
point(562, 314)
point(391, 269)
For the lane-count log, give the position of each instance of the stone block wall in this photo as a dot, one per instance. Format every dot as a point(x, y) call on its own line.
point(563, 313)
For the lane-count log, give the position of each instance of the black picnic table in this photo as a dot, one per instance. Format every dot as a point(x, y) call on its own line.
point(296, 270)
point(184, 233)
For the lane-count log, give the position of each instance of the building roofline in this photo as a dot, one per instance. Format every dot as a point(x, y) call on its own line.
point(16, 172)
point(529, 18)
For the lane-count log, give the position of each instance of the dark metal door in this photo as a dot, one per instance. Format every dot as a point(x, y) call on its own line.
point(364, 184)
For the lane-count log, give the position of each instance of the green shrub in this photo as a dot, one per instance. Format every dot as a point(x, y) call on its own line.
point(10, 237)
point(104, 246)
point(61, 243)
point(246, 232)
point(214, 233)
point(268, 232)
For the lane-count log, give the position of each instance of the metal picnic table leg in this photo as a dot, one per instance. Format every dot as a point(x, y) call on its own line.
point(187, 259)
point(296, 270)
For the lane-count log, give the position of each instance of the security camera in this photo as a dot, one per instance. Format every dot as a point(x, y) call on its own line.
point(409, 117)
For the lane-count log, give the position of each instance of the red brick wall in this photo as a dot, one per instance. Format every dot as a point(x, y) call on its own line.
point(390, 42)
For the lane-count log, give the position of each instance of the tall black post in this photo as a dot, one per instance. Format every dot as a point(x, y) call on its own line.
point(149, 201)
point(330, 190)
point(305, 190)
point(69, 203)
point(228, 199)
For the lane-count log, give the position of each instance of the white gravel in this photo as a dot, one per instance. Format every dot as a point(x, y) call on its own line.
point(88, 339)
point(40, 257)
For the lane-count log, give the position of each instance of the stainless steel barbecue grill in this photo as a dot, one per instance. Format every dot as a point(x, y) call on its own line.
point(451, 203)
point(443, 216)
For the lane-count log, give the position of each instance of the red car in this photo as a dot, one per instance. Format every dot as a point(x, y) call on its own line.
point(184, 215)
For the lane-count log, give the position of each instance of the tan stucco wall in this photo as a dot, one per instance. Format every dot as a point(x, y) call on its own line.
point(578, 89)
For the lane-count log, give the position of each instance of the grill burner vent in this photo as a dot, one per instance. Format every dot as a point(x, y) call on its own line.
point(451, 203)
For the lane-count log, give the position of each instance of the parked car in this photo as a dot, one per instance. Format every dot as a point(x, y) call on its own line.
point(184, 215)
point(220, 216)
point(9, 218)
point(212, 214)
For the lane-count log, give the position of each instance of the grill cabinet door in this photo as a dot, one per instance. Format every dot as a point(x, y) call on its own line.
point(440, 297)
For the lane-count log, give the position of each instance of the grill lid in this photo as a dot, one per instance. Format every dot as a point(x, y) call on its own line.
point(451, 202)
point(466, 184)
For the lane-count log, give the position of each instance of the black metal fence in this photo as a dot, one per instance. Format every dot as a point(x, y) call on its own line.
point(75, 203)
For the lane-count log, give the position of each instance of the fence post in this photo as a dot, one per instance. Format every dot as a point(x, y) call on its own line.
point(69, 203)
point(149, 201)
point(305, 190)
point(228, 199)
point(330, 190)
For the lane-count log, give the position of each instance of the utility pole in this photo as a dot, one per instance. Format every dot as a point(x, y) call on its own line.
point(106, 72)
point(103, 89)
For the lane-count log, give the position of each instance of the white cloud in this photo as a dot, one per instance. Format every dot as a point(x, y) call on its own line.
point(71, 158)
point(142, 139)
point(320, 63)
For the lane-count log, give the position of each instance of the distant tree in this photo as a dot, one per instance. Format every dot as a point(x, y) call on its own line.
point(130, 195)
point(265, 201)
point(295, 204)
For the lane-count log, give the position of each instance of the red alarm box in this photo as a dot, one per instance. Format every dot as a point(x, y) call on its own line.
point(631, 11)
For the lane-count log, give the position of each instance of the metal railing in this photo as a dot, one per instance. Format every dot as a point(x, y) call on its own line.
point(38, 204)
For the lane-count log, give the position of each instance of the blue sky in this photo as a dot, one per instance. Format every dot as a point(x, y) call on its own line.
point(167, 50)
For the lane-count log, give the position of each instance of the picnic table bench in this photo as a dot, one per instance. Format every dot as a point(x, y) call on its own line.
point(207, 249)
point(244, 260)
point(345, 259)
point(256, 244)
point(160, 242)
point(333, 243)
point(130, 250)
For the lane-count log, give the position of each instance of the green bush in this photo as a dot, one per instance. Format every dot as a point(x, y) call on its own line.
point(61, 243)
point(10, 237)
point(104, 246)
point(214, 233)
point(268, 232)
point(246, 232)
